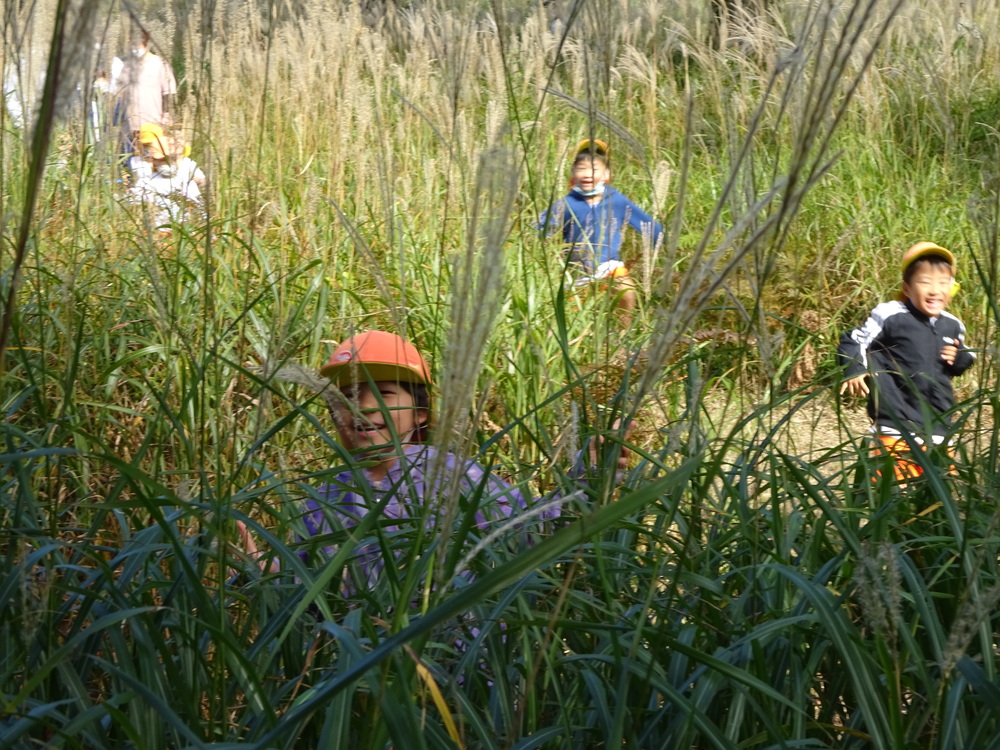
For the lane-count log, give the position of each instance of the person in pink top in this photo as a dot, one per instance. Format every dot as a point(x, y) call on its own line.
point(145, 87)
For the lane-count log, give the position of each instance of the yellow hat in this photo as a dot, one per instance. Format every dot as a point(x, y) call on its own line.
point(159, 144)
point(593, 146)
point(150, 132)
point(924, 249)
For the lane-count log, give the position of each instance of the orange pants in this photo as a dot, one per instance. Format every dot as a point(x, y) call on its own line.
point(617, 280)
point(899, 450)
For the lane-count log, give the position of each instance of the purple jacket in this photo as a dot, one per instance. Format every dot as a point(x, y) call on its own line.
point(405, 492)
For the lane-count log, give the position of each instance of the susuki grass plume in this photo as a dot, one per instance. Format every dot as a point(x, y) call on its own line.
point(477, 281)
point(879, 585)
point(387, 169)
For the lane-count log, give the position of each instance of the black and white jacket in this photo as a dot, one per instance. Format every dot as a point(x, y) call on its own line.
point(900, 348)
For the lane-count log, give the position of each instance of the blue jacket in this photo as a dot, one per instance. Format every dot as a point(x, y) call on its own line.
point(594, 232)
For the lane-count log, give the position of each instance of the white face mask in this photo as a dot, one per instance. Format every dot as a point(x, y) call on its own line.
point(138, 51)
point(598, 189)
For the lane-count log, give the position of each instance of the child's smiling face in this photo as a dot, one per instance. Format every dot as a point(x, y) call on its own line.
point(379, 412)
point(929, 288)
point(589, 172)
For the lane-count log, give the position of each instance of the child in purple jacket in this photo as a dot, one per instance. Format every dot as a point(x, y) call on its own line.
point(384, 420)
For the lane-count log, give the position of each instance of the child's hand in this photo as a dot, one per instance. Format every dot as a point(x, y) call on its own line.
point(598, 442)
point(249, 546)
point(855, 386)
point(247, 541)
point(949, 352)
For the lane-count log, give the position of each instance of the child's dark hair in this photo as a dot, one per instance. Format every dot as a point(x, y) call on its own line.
point(591, 155)
point(421, 400)
point(934, 261)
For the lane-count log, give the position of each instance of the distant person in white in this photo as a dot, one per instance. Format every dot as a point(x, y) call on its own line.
point(19, 94)
point(165, 179)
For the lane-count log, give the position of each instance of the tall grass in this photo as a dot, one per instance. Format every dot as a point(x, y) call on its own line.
point(756, 580)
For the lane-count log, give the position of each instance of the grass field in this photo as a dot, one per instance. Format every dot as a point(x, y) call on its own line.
point(747, 585)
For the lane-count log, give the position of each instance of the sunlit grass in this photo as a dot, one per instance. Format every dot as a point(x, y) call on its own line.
point(749, 585)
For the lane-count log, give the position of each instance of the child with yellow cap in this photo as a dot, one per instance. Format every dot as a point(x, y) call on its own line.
point(591, 219)
point(905, 356)
point(383, 417)
point(165, 177)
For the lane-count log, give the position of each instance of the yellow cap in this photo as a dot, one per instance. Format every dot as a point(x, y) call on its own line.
point(924, 249)
point(150, 132)
point(593, 146)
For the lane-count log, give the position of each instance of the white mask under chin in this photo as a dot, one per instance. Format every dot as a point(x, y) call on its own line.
point(597, 190)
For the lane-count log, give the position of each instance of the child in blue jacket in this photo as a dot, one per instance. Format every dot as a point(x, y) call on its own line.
point(591, 218)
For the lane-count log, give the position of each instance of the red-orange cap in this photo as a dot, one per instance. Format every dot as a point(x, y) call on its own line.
point(378, 355)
